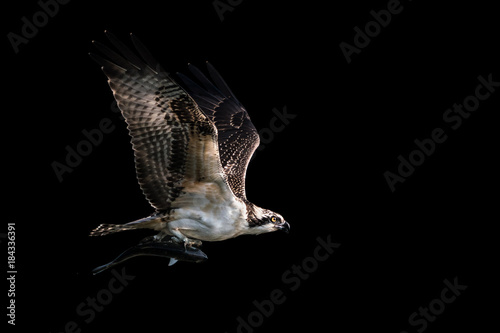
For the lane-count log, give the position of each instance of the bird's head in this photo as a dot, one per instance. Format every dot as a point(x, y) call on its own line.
point(265, 220)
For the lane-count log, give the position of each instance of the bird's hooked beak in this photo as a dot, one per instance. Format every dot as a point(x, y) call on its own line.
point(284, 227)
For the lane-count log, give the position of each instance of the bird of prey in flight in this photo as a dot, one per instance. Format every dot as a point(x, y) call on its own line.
point(191, 147)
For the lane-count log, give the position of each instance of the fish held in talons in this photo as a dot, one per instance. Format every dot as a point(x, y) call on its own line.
point(150, 246)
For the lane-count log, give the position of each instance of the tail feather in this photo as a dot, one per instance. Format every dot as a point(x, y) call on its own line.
point(151, 222)
point(106, 229)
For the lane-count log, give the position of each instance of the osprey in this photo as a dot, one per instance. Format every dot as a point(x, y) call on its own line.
point(191, 149)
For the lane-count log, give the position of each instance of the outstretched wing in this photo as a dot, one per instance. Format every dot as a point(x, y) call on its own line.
point(237, 136)
point(173, 141)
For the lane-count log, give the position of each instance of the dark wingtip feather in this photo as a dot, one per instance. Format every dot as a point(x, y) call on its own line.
point(190, 84)
point(115, 57)
point(219, 82)
point(109, 68)
point(125, 51)
point(209, 86)
point(145, 54)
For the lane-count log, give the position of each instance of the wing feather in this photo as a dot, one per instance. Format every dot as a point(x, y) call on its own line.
point(237, 136)
point(174, 142)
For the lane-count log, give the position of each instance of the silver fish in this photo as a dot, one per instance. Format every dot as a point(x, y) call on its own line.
point(149, 246)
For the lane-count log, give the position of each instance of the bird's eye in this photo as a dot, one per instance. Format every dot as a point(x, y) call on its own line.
point(273, 219)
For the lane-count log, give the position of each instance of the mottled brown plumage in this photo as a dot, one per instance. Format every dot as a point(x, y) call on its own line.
point(191, 149)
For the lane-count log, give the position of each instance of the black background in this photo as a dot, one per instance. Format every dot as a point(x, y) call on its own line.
point(323, 172)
